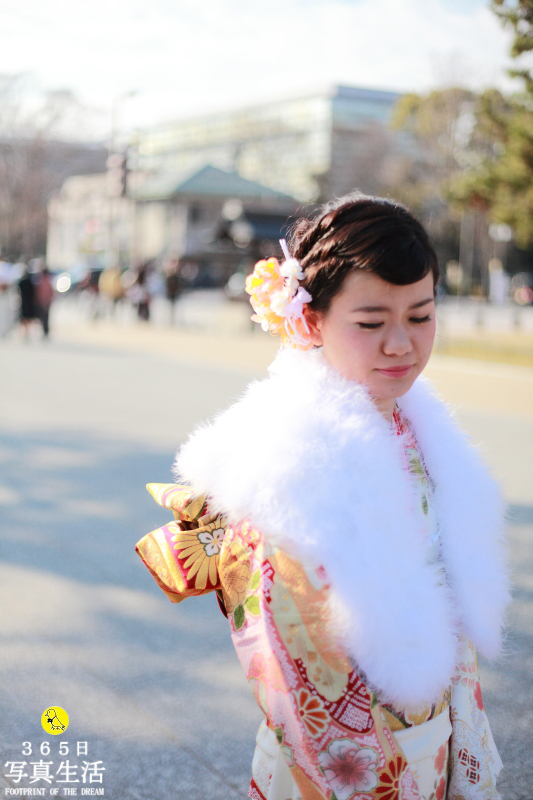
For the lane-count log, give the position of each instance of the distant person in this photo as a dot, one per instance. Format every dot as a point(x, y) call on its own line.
point(111, 287)
point(140, 293)
point(90, 290)
point(499, 283)
point(44, 295)
point(6, 310)
point(28, 302)
point(173, 285)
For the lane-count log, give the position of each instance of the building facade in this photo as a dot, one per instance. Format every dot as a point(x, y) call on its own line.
point(217, 222)
point(89, 224)
point(218, 190)
point(311, 148)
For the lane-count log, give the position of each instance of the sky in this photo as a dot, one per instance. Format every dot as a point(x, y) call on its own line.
point(187, 57)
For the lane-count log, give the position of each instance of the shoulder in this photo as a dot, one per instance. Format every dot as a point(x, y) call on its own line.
point(297, 417)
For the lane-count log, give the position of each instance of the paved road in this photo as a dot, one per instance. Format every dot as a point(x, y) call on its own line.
point(155, 689)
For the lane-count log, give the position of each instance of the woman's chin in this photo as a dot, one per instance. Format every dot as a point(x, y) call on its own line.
point(389, 387)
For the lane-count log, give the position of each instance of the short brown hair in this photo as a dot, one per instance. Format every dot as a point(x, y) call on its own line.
point(360, 232)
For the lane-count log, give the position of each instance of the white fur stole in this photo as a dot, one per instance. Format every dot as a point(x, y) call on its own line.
point(307, 457)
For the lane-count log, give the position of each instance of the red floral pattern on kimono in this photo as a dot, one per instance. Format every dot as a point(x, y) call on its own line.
point(325, 732)
point(328, 726)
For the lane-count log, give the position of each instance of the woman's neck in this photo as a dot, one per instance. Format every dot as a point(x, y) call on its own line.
point(386, 407)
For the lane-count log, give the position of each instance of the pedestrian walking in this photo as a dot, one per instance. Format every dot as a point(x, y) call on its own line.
point(111, 288)
point(350, 532)
point(44, 295)
point(7, 279)
point(173, 285)
point(139, 293)
point(28, 302)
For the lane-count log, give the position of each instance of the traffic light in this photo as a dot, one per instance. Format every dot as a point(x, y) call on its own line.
point(117, 171)
point(124, 174)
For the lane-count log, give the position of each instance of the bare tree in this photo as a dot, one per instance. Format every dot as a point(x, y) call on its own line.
point(359, 160)
point(36, 154)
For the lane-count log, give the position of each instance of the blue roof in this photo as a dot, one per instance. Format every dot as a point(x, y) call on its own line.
point(358, 93)
point(208, 181)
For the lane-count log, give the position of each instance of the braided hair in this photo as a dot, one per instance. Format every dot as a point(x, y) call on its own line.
point(360, 232)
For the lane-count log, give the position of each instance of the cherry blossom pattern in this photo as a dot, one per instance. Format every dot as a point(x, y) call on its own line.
point(390, 778)
point(477, 696)
point(258, 668)
point(441, 758)
point(212, 540)
point(440, 791)
point(349, 768)
point(312, 713)
point(235, 574)
point(287, 755)
point(465, 673)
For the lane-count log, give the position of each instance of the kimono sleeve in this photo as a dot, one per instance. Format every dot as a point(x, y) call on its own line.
point(474, 759)
point(327, 724)
point(183, 555)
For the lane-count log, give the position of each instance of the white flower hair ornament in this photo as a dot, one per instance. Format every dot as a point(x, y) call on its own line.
point(278, 299)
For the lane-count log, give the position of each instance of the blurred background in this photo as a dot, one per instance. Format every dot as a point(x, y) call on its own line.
point(150, 154)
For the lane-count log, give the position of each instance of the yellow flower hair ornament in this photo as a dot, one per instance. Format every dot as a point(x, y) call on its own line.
point(278, 299)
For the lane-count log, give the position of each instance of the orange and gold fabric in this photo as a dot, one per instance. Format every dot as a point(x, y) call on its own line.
point(183, 555)
point(326, 735)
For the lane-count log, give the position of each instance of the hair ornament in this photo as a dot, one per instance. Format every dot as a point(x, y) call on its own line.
point(278, 299)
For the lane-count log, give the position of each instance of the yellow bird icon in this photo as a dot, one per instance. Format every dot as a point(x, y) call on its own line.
point(52, 719)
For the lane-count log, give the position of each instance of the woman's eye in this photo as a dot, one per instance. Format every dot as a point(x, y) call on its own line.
point(374, 325)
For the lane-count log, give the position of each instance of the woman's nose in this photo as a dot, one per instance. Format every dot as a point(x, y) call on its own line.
point(397, 342)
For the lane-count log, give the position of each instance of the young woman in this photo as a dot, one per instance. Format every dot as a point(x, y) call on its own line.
point(350, 531)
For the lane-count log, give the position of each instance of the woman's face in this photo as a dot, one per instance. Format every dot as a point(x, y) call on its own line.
point(377, 333)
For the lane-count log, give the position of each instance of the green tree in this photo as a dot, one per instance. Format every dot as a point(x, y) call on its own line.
point(503, 182)
point(440, 140)
point(518, 15)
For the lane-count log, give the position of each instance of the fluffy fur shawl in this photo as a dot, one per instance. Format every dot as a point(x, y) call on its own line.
point(306, 456)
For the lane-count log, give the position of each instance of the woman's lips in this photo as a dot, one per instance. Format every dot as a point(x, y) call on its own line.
point(396, 372)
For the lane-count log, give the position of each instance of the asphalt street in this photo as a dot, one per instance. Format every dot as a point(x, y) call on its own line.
point(155, 689)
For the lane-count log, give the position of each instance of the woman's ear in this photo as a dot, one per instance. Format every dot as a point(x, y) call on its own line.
point(313, 319)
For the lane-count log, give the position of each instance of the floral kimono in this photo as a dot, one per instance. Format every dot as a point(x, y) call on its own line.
point(338, 723)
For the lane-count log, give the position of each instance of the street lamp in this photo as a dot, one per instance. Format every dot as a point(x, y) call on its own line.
point(113, 166)
point(114, 112)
